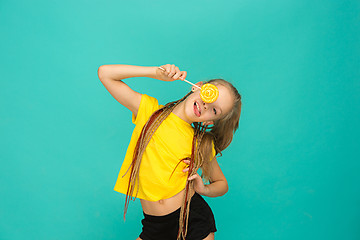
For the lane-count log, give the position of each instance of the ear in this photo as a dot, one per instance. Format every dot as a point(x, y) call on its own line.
point(199, 84)
point(208, 123)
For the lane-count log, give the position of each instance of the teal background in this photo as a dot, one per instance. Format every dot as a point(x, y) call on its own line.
point(293, 166)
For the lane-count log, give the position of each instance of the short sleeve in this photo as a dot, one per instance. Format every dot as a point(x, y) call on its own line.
point(148, 105)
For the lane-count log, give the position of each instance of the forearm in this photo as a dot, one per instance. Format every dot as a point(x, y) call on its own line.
point(216, 189)
point(121, 71)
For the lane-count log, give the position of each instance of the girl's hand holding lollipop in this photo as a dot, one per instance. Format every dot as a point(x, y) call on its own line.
point(209, 92)
point(170, 72)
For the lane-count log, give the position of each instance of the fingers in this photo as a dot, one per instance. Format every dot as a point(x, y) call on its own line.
point(186, 161)
point(183, 75)
point(177, 73)
point(167, 68)
point(171, 71)
point(193, 177)
point(196, 175)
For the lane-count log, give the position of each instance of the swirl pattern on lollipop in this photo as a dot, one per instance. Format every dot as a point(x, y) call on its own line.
point(209, 93)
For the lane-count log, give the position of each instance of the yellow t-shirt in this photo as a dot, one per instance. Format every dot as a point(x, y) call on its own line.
point(170, 143)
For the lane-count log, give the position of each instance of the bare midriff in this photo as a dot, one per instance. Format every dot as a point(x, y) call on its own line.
point(164, 206)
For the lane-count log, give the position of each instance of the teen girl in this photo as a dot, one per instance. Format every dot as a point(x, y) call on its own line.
point(172, 142)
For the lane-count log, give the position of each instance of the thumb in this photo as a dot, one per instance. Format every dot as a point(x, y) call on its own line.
point(183, 75)
point(193, 177)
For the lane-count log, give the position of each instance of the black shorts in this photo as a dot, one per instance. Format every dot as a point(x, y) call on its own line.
point(166, 227)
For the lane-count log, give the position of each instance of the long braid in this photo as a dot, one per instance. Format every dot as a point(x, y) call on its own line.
point(195, 162)
point(146, 133)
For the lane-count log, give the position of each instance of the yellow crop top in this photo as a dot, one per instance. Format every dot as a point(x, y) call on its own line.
point(171, 142)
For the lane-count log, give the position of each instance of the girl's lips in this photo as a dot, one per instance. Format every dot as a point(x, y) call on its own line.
point(196, 111)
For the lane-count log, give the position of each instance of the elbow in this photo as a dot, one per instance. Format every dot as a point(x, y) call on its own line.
point(226, 188)
point(100, 72)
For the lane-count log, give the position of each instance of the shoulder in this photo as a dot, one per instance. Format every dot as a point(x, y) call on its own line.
point(147, 100)
point(148, 105)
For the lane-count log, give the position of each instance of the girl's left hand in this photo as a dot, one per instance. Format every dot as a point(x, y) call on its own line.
point(199, 185)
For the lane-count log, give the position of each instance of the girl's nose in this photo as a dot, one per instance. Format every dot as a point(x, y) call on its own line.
point(204, 104)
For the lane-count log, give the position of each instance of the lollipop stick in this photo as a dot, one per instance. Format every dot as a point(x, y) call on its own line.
point(192, 84)
point(184, 80)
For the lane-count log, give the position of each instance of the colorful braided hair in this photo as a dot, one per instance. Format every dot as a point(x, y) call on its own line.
point(221, 133)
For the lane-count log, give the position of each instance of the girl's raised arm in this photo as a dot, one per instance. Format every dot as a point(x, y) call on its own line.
point(111, 77)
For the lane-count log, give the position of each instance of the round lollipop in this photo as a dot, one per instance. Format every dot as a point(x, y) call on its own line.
point(209, 92)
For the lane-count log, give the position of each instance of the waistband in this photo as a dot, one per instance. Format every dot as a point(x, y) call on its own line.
point(175, 213)
point(162, 218)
